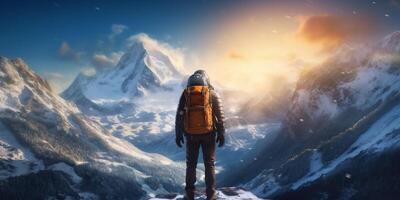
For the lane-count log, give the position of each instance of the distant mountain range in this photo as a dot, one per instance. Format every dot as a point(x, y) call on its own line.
point(136, 100)
point(82, 143)
point(111, 135)
point(340, 138)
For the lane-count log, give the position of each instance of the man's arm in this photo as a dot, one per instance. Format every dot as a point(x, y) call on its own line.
point(179, 120)
point(218, 112)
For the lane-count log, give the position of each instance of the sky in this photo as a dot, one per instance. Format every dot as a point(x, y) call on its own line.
point(240, 40)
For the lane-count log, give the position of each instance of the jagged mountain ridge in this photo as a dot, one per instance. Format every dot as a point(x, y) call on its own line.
point(45, 138)
point(343, 115)
point(339, 86)
point(134, 98)
point(143, 67)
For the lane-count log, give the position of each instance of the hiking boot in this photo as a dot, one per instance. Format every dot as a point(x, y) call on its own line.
point(188, 195)
point(213, 197)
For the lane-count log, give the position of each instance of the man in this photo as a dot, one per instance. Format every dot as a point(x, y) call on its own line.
point(200, 118)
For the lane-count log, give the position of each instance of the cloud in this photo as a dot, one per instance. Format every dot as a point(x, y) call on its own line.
point(88, 71)
point(176, 55)
point(142, 38)
point(117, 29)
point(332, 31)
point(66, 52)
point(235, 55)
point(57, 81)
point(53, 75)
point(102, 61)
point(322, 29)
point(64, 49)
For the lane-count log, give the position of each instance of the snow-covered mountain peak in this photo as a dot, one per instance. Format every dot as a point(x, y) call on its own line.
point(147, 66)
point(19, 85)
point(162, 60)
point(16, 72)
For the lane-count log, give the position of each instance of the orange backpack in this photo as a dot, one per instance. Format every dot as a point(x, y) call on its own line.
point(198, 111)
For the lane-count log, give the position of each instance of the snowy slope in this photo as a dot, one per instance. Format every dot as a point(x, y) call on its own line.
point(344, 119)
point(41, 133)
point(381, 136)
point(352, 80)
point(15, 159)
point(145, 67)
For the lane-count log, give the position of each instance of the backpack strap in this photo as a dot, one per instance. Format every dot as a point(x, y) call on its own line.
point(203, 90)
point(214, 118)
point(187, 95)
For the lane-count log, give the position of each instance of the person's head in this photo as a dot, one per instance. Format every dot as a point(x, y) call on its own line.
point(199, 77)
point(201, 71)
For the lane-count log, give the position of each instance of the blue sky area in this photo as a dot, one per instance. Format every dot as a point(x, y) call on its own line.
point(37, 30)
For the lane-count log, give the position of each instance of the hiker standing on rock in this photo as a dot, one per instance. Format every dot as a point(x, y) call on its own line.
point(200, 118)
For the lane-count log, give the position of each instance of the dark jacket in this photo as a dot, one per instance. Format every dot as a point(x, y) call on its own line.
point(218, 114)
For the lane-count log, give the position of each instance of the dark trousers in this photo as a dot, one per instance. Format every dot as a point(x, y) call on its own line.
point(207, 144)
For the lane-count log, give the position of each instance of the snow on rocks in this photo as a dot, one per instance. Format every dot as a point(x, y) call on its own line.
point(146, 66)
point(66, 169)
point(16, 159)
point(263, 184)
point(58, 133)
point(380, 136)
point(228, 193)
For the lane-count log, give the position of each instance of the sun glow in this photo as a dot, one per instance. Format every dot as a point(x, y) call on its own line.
point(249, 50)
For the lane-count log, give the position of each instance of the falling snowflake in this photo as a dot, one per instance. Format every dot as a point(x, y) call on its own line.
point(348, 175)
point(387, 15)
point(301, 120)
